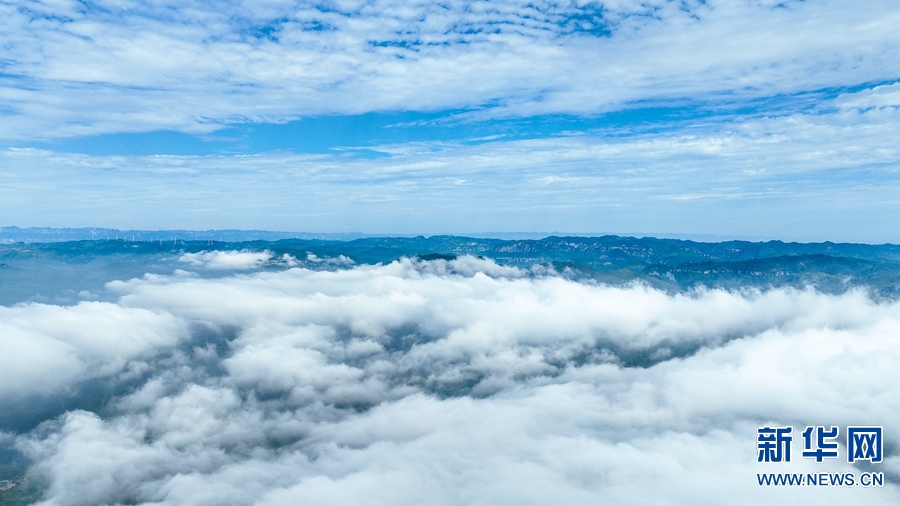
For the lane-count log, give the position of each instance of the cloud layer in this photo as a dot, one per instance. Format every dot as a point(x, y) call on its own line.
point(824, 174)
point(82, 68)
point(453, 382)
point(231, 260)
point(741, 119)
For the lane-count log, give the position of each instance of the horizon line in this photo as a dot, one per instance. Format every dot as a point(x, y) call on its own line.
point(12, 234)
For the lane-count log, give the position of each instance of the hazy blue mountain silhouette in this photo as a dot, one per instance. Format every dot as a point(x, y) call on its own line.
point(67, 271)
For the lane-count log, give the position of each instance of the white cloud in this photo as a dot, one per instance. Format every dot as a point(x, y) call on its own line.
point(817, 175)
point(80, 69)
point(228, 260)
point(413, 383)
point(48, 348)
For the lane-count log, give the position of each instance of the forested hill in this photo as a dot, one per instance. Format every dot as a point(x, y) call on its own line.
point(58, 271)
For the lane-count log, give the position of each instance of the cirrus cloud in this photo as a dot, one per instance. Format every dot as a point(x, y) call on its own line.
point(76, 69)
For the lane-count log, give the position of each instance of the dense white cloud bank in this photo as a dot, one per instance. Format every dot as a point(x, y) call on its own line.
point(232, 260)
point(47, 348)
point(462, 382)
point(81, 68)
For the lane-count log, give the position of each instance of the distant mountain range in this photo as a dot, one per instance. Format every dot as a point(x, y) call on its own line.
point(58, 271)
point(10, 235)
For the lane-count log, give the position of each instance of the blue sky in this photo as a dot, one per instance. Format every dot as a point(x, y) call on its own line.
point(746, 119)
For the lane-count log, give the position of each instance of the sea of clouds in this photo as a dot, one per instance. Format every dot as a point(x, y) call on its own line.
point(440, 382)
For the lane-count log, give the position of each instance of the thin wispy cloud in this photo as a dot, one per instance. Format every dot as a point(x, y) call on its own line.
point(760, 176)
point(73, 69)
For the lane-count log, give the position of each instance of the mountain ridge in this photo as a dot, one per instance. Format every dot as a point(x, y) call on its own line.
point(59, 271)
